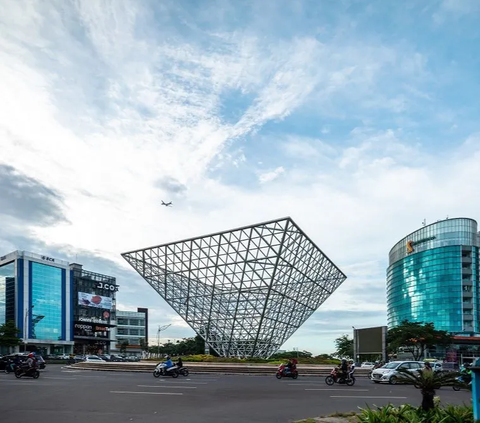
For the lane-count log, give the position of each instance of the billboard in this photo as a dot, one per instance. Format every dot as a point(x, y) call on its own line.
point(370, 341)
point(94, 300)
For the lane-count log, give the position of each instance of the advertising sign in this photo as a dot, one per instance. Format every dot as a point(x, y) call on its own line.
point(93, 300)
point(91, 330)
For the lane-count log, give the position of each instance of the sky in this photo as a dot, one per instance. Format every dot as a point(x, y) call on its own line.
point(358, 119)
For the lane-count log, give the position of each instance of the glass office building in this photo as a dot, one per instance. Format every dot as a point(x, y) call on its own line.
point(35, 293)
point(433, 276)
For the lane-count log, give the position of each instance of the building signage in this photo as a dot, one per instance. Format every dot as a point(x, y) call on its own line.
point(3, 257)
point(411, 244)
point(48, 258)
point(107, 286)
point(91, 330)
point(92, 320)
point(92, 300)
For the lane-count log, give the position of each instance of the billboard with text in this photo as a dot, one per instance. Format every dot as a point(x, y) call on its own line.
point(93, 300)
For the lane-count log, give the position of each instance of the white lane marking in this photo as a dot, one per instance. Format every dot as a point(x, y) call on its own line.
point(59, 378)
point(326, 389)
point(367, 397)
point(183, 383)
point(146, 393)
point(165, 386)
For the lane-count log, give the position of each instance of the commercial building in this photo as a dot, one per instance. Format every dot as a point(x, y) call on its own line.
point(58, 307)
point(94, 313)
point(35, 293)
point(433, 276)
point(132, 331)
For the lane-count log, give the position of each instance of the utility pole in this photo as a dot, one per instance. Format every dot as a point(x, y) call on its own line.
point(160, 328)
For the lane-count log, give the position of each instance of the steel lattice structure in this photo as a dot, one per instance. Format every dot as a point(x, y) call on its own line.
point(244, 291)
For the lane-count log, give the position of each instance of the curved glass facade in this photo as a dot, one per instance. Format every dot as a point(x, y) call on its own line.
point(433, 276)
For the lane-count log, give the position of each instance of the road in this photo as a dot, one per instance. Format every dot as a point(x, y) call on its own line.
point(64, 395)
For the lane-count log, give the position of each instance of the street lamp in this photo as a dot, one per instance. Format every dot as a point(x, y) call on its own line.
point(160, 328)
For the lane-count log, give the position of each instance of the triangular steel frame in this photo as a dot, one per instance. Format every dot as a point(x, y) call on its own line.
point(244, 291)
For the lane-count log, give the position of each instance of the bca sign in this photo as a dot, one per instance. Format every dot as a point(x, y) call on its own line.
point(47, 258)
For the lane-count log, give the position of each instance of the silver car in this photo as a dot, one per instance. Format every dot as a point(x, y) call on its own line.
point(389, 372)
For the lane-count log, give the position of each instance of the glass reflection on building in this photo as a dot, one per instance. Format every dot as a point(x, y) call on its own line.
point(47, 292)
point(433, 276)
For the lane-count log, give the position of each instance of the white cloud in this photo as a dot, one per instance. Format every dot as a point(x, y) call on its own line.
point(271, 175)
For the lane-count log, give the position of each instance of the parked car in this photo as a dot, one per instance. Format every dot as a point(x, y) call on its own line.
point(116, 358)
point(40, 362)
point(104, 357)
point(367, 365)
point(94, 359)
point(436, 366)
point(389, 372)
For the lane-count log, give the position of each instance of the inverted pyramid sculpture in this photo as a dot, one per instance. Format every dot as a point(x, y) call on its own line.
point(244, 291)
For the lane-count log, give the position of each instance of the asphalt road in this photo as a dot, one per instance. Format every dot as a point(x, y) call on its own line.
point(63, 395)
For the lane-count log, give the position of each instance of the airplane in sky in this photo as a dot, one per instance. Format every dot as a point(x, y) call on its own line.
point(169, 204)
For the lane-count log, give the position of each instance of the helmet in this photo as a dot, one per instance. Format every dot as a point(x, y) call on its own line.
point(166, 356)
point(351, 361)
point(30, 355)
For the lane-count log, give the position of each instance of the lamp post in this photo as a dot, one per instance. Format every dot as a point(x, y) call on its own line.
point(160, 328)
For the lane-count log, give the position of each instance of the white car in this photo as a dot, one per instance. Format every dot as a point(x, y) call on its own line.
point(367, 365)
point(436, 366)
point(389, 372)
point(93, 359)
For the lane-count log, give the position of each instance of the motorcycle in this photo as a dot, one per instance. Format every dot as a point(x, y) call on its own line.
point(183, 371)
point(161, 370)
point(463, 382)
point(27, 371)
point(10, 367)
point(283, 371)
point(336, 377)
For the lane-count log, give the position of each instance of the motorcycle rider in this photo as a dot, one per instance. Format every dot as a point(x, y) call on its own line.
point(344, 369)
point(351, 369)
point(179, 363)
point(289, 366)
point(167, 363)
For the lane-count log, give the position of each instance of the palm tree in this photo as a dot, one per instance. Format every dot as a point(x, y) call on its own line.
point(428, 381)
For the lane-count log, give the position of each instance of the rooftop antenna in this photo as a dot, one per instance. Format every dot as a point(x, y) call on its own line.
point(447, 216)
point(424, 223)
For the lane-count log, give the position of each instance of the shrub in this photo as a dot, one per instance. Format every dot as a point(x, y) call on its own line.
point(408, 414)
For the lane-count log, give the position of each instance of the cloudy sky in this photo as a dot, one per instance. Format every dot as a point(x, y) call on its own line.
point(357, 119)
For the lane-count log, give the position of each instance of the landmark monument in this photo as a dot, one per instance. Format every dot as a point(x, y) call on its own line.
point(244, 291)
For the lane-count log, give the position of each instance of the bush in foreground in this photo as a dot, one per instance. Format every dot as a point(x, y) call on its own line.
point(408, 414)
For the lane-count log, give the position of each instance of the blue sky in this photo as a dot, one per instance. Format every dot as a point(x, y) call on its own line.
point(357, 119)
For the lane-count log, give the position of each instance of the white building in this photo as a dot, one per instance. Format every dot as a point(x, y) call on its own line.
point(132, 329)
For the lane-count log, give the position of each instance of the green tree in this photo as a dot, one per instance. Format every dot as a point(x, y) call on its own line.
point(344, 347)
point(9, 335)
point(416, 337)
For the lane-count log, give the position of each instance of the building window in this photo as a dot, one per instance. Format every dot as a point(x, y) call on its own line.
point(134, 332)
point(122, 321)
point(133, 322)
point(141, 332)
point(122, 331)
point(46, 313)
point(141, 322)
